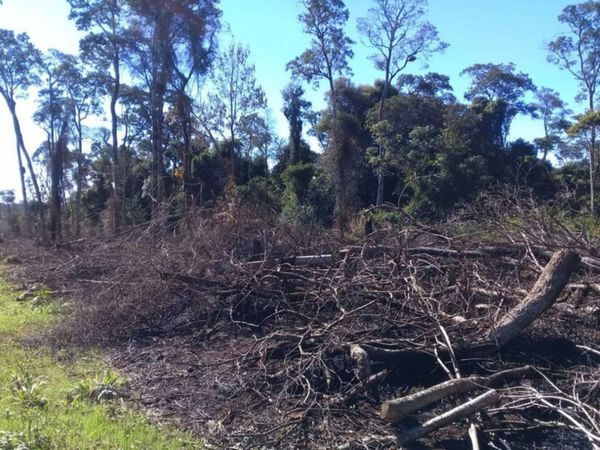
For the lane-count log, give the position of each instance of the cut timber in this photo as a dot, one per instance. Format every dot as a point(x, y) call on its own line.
point(544, 294)
point(460, 412)
point(401, 407)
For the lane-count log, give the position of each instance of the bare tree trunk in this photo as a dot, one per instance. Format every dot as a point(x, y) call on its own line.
point(546, 290)
point(24, 189)
point(157, 145)
point(341, 183)
point(158, 91)
point(78, 181)
point(115, 152)
point(381, 149)
point(592, 156)
point(36, 187)
point(184, 119)
point(56, 165)
point(593, 172)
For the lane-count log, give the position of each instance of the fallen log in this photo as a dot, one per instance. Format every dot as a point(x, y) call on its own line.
point(401, 407)
point(465, 410)
point(542, 296)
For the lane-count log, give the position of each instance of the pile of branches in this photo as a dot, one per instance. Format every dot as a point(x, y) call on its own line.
point(277, 336)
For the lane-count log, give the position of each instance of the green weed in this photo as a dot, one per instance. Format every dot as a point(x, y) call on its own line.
point(105, 387)
point(34, 411)
point(26, 389)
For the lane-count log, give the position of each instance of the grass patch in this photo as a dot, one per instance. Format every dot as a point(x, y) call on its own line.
point(53, 402)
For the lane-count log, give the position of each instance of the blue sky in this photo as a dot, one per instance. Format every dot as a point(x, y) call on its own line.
point(478, 31)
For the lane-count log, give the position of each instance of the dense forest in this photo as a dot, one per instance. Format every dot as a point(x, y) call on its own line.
point(399, 271)
point(189, 121)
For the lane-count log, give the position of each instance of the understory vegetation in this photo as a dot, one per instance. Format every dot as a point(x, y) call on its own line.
point(63, 398)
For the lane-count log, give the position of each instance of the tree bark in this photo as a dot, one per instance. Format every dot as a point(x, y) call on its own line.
point(158, 90)
point(460, 412)
point(401, 407)
point(78, 178)
point(24, 189)
point(544, 294)
point(116, 181)
point(36, 187)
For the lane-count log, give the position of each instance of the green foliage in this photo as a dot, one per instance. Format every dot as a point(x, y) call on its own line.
point(104, 387)
point(308, 195)
point(297, 178)
point(585, 122)
point(19, 441)
point(295, 110)
point(33, 373)
point(330, 48)
point(26, 388)
point(20, 64)
point(502, 90)
point(262, 192)
point(211, 170)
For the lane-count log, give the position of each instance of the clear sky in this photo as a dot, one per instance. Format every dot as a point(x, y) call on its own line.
point(478, 31)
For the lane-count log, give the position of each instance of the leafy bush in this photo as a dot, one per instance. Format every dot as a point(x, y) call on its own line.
point(105, 387)
point(26, 389)
point(18, 441)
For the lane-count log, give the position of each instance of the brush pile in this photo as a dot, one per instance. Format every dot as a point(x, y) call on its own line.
point(262, 336)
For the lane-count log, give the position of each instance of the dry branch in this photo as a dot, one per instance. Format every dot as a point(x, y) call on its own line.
point(465, 410)
point(401, 407)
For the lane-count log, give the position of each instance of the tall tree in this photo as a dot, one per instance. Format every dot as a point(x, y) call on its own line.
point(175, 43)
point(551, 109)
point(578, 52)
point(325, 59)
point(194, 53)
point(500, 89)
point(19, 70)
point(53, 117)
point(235, 95)
point(429, 85)
point(295, 110)
point(103, 47)
point(83, 90)
point(396, 31)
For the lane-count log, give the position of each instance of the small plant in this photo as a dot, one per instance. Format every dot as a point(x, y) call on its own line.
point(18, 441)
point(26, 389)
point(105, 387)
point(12, 441)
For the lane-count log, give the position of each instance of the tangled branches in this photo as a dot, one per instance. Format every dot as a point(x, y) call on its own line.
point(262, 334)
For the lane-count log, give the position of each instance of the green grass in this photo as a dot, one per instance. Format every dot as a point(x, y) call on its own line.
point(48, 398)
